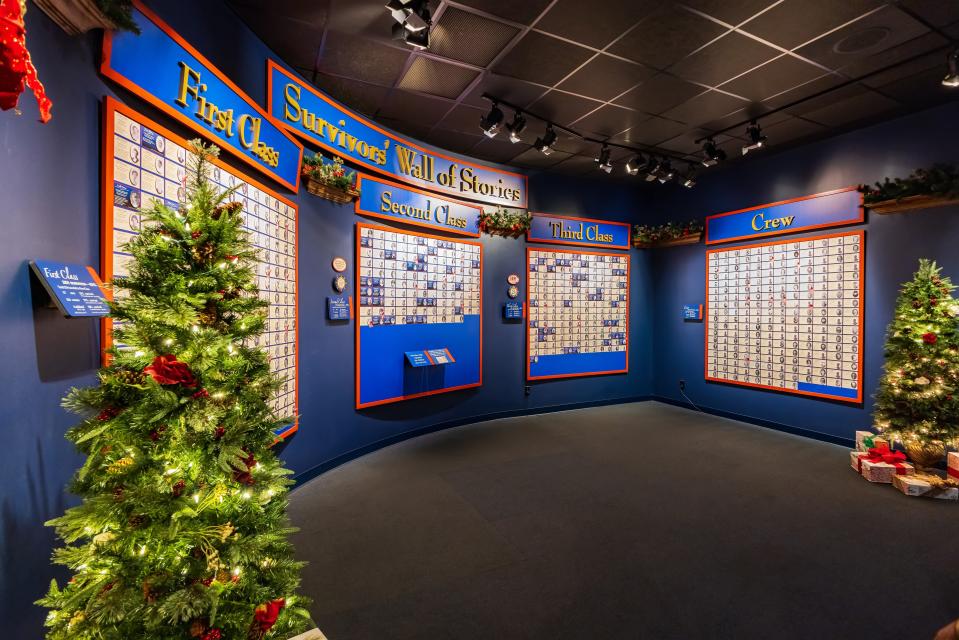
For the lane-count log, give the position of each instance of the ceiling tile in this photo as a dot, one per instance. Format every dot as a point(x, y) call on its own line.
point(427, 75)
point(610, 120)
point(309, 11)
point(605, 77)
point(723, 59)
point(379, 64)
point(659, 93)
point(465, 118)
point(512, 90)
point(412, 107)
point(573, 145)
point(736, 119)
point(468, 37)
point(455, 141)
point(685, 143)
point(575, 165)
point(416, 130)
point(534, 158)
point(705, 107)
point(666, 36)
point(730, 11)
point(793, 22)
point(651, 132)
point(821, 83)
point(938, 12)
point(295, 41)
point(592, 25)
point(363, 97)
point(858, 107)
point(921, 88)
point(523, 12)
point(563, 108)
point(930, 42)
point(773, 78)
point(791, 130)
point(881, 30)
point(812, 104)
point(905, 71)
point(542, 59)
point(368, 19)
point(497, 150)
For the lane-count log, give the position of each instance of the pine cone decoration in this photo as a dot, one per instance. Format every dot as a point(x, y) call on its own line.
point(229, 208)
point(210, 314)
point(129, 376)
point(197, 628)
point(204, 252)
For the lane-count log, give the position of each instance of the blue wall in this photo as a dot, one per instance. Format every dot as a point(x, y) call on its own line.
point(51, 210)
point(894, 243)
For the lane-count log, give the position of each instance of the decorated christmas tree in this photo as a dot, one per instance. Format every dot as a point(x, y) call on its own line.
point(182, 530)
point(917, 403)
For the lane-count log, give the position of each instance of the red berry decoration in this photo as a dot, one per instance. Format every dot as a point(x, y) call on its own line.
point(933, 301)
point(108, 413)
point(178, 488)
point(212, 634)
point(202, 393)
point(929, 338)
point(220, 432)
point(195, 235)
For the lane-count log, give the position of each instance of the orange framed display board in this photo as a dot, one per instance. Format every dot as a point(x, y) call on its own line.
point(577, 322)
point(788, 316)
point(143, 162)
point(419, 327)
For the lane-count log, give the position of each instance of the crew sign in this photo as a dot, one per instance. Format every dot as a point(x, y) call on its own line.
point(161, 67)
point(319, 120)
point(384, 199)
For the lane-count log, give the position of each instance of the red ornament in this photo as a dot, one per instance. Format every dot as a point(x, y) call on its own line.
point(929, 338)
point(212, 634)
point(265, 615)
point(207, 582)
point(108, 413)
point(167, 370)
point(195, 235)
point(246, 477)
point(156, 433)
point(16, 68)
point(933, 301)
point(220, 432)
point(202, 393)
point(178, 488)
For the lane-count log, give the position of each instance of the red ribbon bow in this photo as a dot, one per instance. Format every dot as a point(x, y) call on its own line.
point(884, 454)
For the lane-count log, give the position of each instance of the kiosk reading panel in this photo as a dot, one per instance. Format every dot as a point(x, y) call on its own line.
point(416, 292)
point(788, 316)
point(144, 162)
point(578, 320)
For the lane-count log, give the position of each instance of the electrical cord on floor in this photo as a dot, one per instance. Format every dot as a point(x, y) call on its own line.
point(682, 391)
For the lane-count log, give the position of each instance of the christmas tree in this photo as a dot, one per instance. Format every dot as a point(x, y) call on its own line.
point(182, 530)
point(917, 403)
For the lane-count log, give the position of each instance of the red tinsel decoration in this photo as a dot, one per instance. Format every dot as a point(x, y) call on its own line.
point(16, 68)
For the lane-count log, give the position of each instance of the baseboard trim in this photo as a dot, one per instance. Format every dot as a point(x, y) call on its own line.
point(323, 467)
point(760, 422)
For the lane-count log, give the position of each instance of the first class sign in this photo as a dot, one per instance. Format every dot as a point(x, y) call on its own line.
point(585, 232)
point(161, 67)
point(319, 120)
point(384, 199)
point(819, 211)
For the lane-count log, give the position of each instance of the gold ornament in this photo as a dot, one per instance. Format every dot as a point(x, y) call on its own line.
point(120, 465)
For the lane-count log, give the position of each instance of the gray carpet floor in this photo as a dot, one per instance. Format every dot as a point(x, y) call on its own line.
point(630, 521)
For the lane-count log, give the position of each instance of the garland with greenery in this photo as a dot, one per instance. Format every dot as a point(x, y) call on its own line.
point(331, 173)
point(646, 235)
point(506, 223)
point(940, 180)
point(120, 13)
point(182, 529)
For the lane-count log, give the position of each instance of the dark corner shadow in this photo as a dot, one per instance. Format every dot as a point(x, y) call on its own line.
point(25, 569)
point(66, 347)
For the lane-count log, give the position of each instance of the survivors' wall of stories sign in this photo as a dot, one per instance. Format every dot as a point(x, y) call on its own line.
point(145, 163)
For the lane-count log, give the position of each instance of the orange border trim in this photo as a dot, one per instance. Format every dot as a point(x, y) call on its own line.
point(358, 323)
point(112, 106)
point(271, 64)
point(629, 300)
point(862, 310)
point(812, 227)
point(109, 72)
point(376, 214)
point(580, 244)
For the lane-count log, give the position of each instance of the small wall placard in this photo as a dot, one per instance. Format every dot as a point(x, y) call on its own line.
point(513, 310)
point(75, 289)
point(693, 312)
point(338, 308)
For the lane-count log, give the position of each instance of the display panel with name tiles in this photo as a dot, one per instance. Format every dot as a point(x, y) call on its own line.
point(416, 291)
point(149, 164)
point(578, 313)
point(788, 316)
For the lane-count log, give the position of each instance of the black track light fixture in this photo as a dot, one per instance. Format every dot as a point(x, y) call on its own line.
point(689, 180)
point(413, 22)
point(516, 127)
point(952, 76)
point(545, 142)
point(666, 172)
point(754, 138)
point(712, 155)
point(634, 164)
point(603, 160)
point(491, 121)
point(651, 169)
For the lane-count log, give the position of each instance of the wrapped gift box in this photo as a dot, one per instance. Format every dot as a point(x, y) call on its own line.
point(952, 464)
point(866, 440)
point(913, 485)
point(855, 460)
point(880, 471)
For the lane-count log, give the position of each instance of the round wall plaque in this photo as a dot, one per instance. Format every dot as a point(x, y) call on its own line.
point(512, 278)
point(339, 284)
point(513, 291)
point(339, 264)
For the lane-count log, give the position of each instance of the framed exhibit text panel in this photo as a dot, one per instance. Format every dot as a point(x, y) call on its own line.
point(585, 232)
point(820, 211)
point(381, 198)
point(788, 316)
point(578, 319)
point(144, 163)
point(416, 293)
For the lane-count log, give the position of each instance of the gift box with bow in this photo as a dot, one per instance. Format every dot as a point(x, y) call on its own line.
point(881, 464)
point(866, 440)
point(855, 460)
point(925, 485)
point(952, 464)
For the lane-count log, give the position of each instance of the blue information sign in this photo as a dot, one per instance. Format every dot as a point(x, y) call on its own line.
point(440, 356)
point(692, 312)
point(586, 232)
point(338, 308)
point(829, 209)
point(513, 310)
point(318, 119)
point(161, 67)
point(383, 199)
point(76, 289)
point(417, 359)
